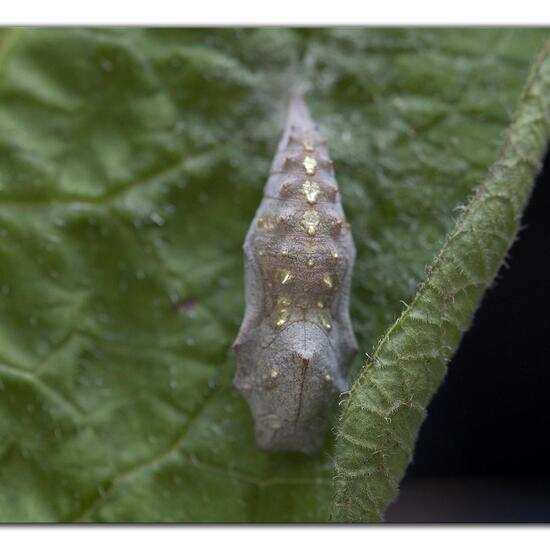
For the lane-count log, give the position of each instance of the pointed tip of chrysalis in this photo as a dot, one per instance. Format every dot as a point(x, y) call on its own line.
point(297, 103)
point(299, 117)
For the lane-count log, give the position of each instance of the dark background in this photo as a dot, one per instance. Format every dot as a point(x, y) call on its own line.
point(483, 452)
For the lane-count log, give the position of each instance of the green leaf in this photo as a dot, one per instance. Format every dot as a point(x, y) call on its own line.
point(131, 164)
point(388, 401)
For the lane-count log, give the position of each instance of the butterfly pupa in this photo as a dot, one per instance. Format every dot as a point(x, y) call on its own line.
point(296, 341)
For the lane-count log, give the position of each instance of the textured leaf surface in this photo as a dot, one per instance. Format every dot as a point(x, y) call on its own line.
point(387, 404)
point(131, 164)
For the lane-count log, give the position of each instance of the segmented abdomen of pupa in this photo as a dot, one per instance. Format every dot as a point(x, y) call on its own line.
point(296, 341)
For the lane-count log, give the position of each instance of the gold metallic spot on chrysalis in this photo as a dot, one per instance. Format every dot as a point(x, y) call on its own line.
point(310, 164)
point(328, 378)
point(284, 252)
point(325, 321)
point(310, 221)
point(274, 373)
point(284, 301)
point(327, 280)
point(267, 221)
point(309, 146)
point(320, 304)
point(282, 317)
point(335, 256)
point(284, 276)
point(275, 423)
point(310, 263)
point(311, 191)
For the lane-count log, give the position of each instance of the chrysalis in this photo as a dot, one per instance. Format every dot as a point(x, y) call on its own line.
point(296, 341)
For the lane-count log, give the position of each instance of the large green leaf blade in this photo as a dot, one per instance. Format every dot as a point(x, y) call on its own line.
point(131, 164)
